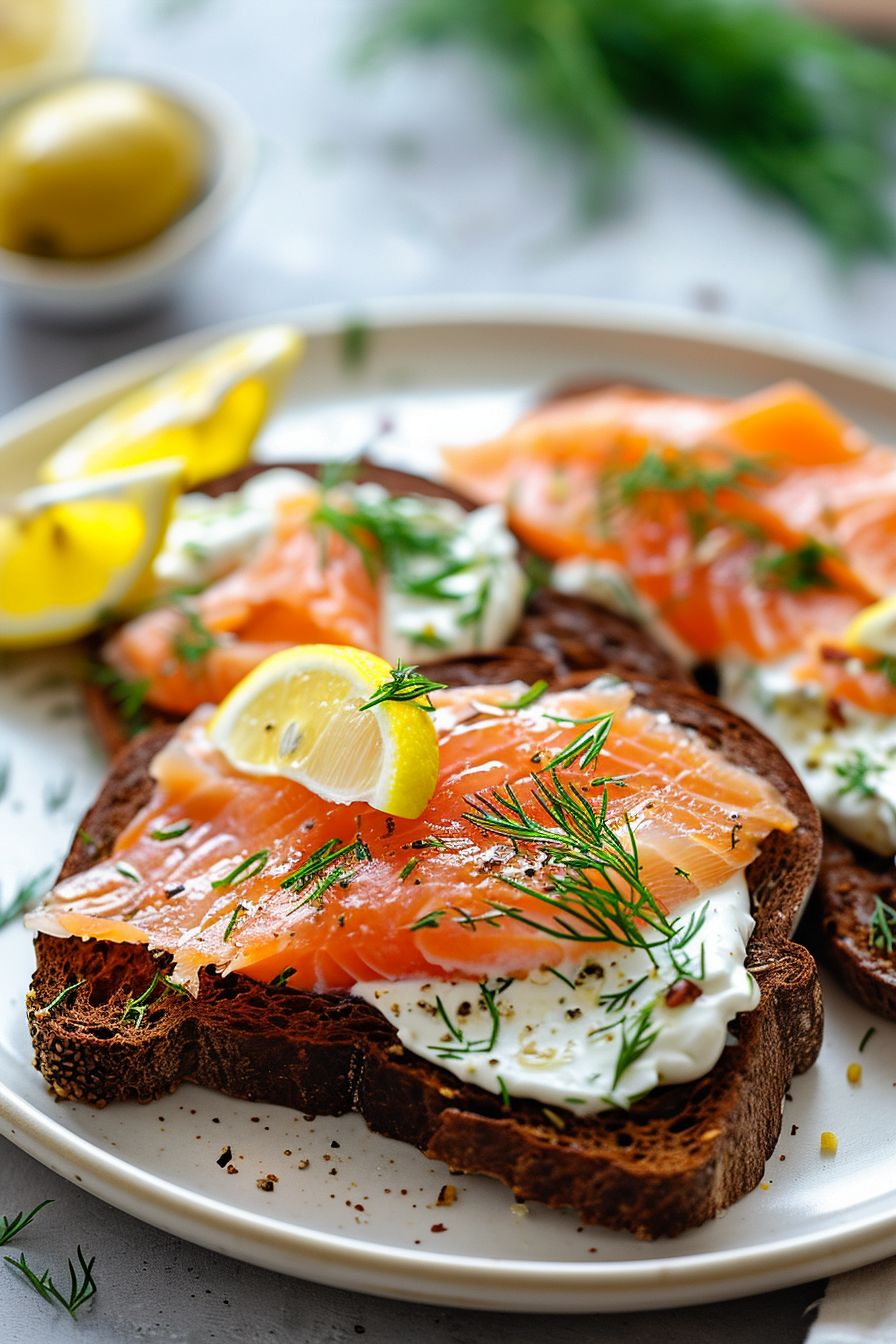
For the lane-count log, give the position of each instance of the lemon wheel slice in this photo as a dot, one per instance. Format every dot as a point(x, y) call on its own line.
point(208, 410)
point(299, 715)
point(874, 628)
point(71, 553)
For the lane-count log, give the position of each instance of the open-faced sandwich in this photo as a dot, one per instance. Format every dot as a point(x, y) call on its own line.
point(757, 538)
point(542, 933)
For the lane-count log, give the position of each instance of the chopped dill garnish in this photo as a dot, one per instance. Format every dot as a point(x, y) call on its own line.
point(587, 745)
point(356, 336)
point(634, 1046)
point(195, 642)
point(249, 868)
point(279, 981)
point(127, 696)
point(505, 1095)
point(321, 859)
point(408, 869)
point(405, 684)
point(79, 1293)
point(882, 933)
point(239, 909)
point(464, 1047)
point(672, 472)
point(5, 774)
point(129, 871)
point(87, 838)
point(172, 833)
point(535, 692)
point(428, 921)
point(618, 1002)
point(866, 1038)
point(9, 1227)
point(797, 570)
point(27, 893)
point(54, 1003)
point(855, 771)
point(135, 1009)
point(600, 896)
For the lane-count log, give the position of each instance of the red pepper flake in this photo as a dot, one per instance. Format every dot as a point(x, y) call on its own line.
point(438, 1227)
point(682, 992)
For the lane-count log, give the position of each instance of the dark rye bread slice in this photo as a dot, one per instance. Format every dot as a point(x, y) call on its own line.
point(849, 880)
point(677, 1158)
point(564, 633)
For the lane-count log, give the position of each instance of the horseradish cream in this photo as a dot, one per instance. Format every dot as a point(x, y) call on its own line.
point(847, 763)
point(596, 1032)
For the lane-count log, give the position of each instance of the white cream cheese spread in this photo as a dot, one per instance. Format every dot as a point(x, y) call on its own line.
point(464, 593)
point(847, 761)
point(592, 1033)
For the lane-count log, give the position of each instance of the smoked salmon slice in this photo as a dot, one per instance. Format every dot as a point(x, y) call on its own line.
point(306, 585)
point(703, 504)
point(261, 876)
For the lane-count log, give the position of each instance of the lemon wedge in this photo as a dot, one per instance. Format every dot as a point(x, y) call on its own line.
point(299, 715)
point(73, 552)
point(208, 410)
point(874, 628)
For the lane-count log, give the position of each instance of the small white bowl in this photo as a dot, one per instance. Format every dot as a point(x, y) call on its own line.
point(89, 291)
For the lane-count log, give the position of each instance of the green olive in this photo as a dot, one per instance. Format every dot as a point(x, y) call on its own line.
point(95, 168)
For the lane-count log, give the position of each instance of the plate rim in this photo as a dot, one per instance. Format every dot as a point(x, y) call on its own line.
point(416, 1275)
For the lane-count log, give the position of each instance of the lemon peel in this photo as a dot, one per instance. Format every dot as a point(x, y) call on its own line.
point(299, 715)
point(207, 410)
point(72, 552)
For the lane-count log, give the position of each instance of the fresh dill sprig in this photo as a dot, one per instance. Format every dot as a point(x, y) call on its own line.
point(322, 859)
point(633, 1046)
point(408, 869)
point(793, 105)
point(598, 896)
point(404, 684)
point(135, 1009)
point(535, 692)
point(60, 998)
point(249, 868)
point(618, 1002)
point(239, 909)
point(195, 642)
point(10, 1227)
point(172, 832)
point(127, 696)
point(672, 472)
point(463, 1047)
point(796, 570)
point(882, 933)
point(79, 1291)
point(587, 745)
point(855, 771)
point(27, 893)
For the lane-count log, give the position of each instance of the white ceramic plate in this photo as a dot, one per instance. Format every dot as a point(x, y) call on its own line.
point(349, 1208)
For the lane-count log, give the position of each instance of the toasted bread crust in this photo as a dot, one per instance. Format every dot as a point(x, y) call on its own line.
point(849, 879)
point(676, 1159)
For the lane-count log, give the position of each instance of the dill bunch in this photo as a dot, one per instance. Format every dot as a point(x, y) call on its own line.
point(791, 104)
